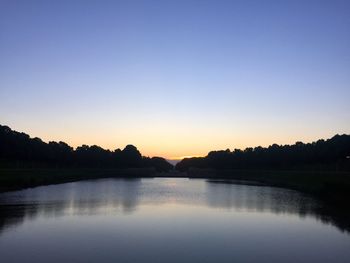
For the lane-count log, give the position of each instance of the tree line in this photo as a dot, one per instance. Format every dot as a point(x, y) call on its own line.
point(17, 149)
point(332, 155)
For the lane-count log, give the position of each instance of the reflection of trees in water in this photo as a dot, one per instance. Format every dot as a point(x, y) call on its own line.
point(257, 198)
point(83, 198)
point(90, 198)
point(123, 195)
point(276, 200)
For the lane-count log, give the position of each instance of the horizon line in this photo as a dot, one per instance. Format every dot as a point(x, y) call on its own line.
point(175, 158)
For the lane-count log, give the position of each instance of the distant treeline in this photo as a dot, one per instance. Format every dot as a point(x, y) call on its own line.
point(20, 151)
point(324, 155)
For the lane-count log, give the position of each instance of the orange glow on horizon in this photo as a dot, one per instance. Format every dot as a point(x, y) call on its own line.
point(171, 141)
point(185, 156)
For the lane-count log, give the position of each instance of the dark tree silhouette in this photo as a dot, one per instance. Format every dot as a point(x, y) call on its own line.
point(332, 154)
point(19, 150)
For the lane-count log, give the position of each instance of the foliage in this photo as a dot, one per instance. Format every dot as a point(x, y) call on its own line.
point(331, 154)
point(19, 150)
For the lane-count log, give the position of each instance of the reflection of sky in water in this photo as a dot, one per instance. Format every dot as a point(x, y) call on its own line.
point(166, 220)
point(126, 195)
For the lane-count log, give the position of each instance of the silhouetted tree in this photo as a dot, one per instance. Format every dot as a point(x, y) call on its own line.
point(131, 157)
point(19, 150)
point(160, 164)
point(332, 154)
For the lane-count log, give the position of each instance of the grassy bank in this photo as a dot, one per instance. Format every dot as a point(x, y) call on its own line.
point(15, 179)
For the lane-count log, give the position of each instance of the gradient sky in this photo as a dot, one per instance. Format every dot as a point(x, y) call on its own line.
point(175, 78)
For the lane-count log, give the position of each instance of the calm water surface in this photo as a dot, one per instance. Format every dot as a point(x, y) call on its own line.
point(167, 220)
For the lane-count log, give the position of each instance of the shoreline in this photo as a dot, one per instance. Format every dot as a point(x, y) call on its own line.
point(19, 179)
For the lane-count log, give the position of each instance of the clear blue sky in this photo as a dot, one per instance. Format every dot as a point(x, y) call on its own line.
point(175, 78)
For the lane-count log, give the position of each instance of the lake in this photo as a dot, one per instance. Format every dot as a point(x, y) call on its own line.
point(168, 220)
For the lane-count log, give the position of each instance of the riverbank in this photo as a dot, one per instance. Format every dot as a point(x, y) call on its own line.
point(17, 179)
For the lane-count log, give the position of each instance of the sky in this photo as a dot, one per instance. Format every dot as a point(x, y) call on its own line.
point(175, 78)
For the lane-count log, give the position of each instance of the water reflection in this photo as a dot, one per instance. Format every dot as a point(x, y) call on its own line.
point(78, 198)
point(112, 196)
point(168, 220)
point(224, 194)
